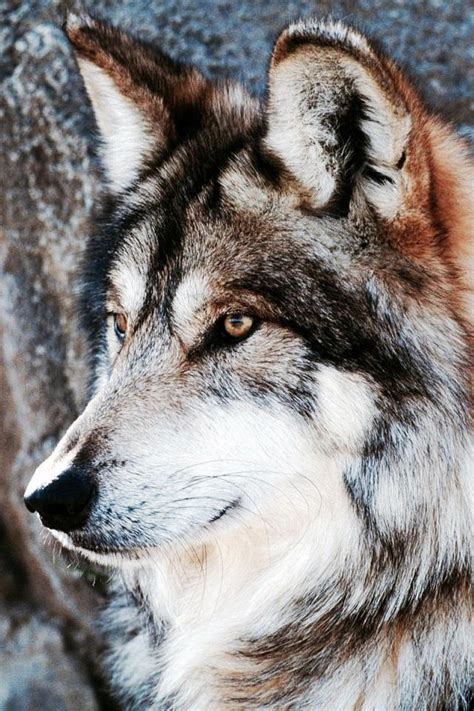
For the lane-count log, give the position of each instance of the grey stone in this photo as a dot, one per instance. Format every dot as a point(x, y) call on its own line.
point(51, 187)
point(37, 672)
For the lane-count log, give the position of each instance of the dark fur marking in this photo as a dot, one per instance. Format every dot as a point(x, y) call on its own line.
point(401, 161)
point(353, 144)
point(315, 645)
point(225, 510)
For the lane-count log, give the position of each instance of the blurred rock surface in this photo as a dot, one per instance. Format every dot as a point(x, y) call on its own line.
point(51, 185)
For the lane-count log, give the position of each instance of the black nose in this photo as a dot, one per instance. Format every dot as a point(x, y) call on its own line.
point(65, 503)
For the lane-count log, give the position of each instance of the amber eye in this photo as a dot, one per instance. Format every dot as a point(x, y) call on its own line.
point(238, 325)
point(120, 326)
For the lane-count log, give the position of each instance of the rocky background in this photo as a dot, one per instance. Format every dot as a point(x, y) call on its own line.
point(49, 646)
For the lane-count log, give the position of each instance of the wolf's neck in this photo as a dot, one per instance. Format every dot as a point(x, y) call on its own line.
point(242, 584)
point(299, 583)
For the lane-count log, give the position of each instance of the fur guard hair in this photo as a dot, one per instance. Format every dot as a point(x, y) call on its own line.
point(289, 513)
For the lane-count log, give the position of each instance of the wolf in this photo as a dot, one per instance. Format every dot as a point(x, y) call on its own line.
point(276, 458)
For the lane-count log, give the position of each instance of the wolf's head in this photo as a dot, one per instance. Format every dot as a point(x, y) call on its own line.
point(276, 305)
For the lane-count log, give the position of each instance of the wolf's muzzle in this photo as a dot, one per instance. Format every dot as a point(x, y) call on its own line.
point(65, 503)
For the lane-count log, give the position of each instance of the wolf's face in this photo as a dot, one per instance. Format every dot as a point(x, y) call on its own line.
point(267, 301)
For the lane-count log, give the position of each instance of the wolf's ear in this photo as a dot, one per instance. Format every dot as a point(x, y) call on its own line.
point(138, 94)
point(337, 115)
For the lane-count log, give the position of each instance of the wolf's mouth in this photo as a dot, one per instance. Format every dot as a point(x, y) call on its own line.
point(101, 554)
point(80, 545)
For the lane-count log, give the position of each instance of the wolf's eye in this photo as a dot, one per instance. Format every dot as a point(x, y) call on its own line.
point(120, 326)
point(238, 325)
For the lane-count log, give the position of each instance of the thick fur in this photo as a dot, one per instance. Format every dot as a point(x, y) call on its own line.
point(290, 515)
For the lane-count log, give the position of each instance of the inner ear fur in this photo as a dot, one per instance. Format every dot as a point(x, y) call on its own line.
point(338, 110)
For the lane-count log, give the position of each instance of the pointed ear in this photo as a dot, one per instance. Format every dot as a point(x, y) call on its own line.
point(136, 92)
point(338, 116)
